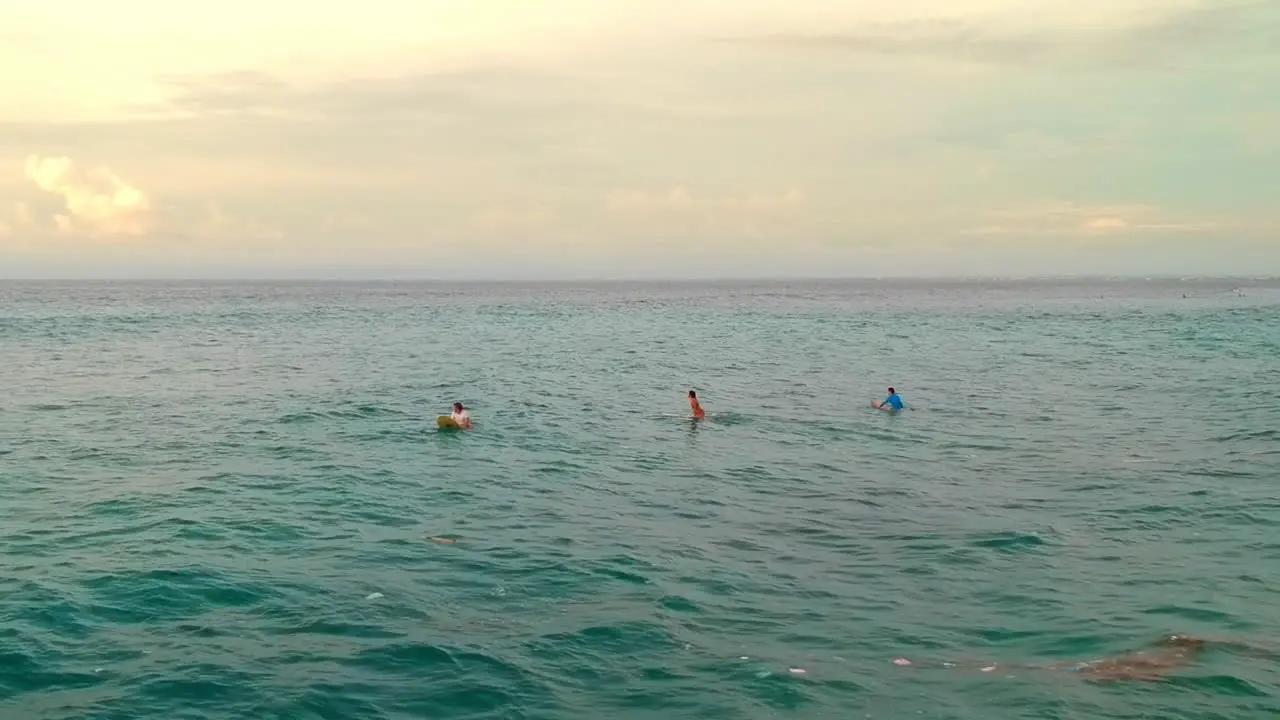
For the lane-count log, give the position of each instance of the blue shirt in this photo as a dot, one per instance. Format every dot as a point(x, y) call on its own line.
point(893, 401)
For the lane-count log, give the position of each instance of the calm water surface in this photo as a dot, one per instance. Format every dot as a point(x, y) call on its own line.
point(217, 500)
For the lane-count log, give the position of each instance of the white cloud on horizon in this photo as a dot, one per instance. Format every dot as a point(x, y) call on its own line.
point(96, 201)
point(1067, 219)
point(728, 223)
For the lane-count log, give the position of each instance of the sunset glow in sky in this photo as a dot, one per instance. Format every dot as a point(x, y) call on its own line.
point(631, 138)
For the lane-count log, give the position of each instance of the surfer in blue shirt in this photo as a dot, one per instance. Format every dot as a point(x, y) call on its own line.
point(893, 401)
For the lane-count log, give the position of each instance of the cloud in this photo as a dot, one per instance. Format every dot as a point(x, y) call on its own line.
point(1065, 219)
point(432, 97)
point(229, 93)
point(679, 202)
point(14, 219)
point(788, 203)
point(502, 219)
point(649, 204)
point(856, 136)
point(535, 127)
point(215, 224)
point(702, 226)
point(1105, 224)
point(97, 202)
point(1150, 36)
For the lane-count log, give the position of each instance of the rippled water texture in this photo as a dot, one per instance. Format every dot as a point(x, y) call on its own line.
point(218, 501)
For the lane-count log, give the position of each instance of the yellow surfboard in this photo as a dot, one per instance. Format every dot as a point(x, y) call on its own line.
point(444, 422)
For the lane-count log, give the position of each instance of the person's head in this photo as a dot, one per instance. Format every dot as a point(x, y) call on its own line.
point(892, 391)
point(693, 394)
point(457, 407)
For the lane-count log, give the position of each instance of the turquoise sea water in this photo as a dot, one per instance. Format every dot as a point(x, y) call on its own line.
point(218, 499)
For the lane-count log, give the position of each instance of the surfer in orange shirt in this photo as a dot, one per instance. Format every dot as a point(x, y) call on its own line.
point(698, 412)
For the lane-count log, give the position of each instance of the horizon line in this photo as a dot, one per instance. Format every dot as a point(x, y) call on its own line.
point(1180, 277)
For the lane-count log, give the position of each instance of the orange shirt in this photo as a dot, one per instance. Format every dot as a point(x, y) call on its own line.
point(697, 409)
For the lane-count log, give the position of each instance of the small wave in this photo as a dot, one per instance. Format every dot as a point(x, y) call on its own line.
point(974, 446)
point(358, 412)
point(1092, 487)
point(48, 407)
point(1249, 435)
point(560, 467)
point(1222, 686)
point(1221, 473)
point(335, 628)
point(1009, 542)
point(679, 604)
point(171, 594)
point(1203, 615)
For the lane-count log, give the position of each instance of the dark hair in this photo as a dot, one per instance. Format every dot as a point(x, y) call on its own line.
point(459, 406)
point(693, 394)
point(891, 392)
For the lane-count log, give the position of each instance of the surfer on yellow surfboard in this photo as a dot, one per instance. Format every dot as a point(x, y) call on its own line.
point(459, 418)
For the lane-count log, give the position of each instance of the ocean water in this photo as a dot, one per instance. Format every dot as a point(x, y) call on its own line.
point(218, 500)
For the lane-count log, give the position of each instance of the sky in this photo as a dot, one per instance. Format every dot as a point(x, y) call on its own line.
point(504, 139)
